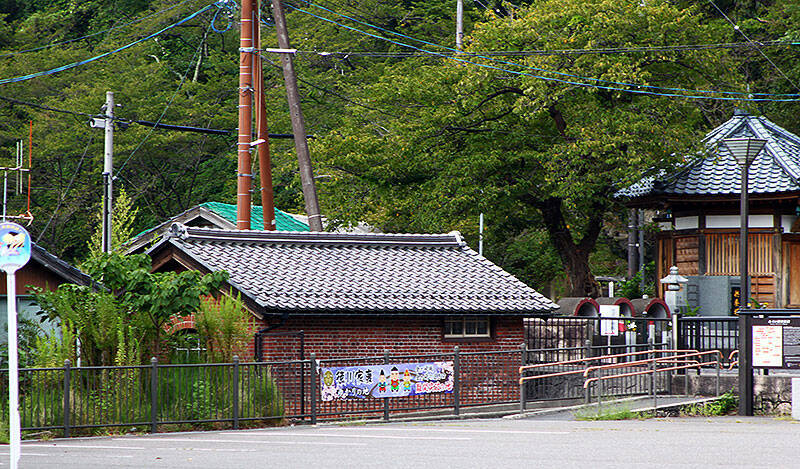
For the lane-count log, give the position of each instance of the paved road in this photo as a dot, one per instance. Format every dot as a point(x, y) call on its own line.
point(727, 442)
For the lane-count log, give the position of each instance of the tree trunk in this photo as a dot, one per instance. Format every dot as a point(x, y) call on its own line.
point(574, 256)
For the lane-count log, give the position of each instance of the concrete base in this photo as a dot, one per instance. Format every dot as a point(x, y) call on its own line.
point(773, 393)
point(796, 398)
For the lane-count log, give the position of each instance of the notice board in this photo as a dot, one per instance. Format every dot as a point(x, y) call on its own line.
point(776, 343)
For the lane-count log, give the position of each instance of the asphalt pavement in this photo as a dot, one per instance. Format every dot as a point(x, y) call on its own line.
point(696, 442)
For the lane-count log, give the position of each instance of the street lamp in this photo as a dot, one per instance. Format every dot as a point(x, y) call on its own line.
point(744, 151)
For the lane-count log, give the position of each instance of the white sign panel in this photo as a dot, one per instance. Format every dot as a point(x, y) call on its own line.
point(768, 346)
point(609, 327)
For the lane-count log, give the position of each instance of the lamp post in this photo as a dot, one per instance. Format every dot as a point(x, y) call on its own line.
point(744, 151)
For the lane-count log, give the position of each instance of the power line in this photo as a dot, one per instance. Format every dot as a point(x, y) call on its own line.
point(69, 188)
point(754, 45)
point(545, 52)
point(326, 90)
point(54, 44)
point(635, 90)
point(218, 4)
point(169, 103)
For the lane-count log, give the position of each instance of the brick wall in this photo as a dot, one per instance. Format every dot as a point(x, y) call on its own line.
point(343, 337)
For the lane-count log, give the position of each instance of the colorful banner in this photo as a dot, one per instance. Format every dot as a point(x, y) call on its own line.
point(391, 380)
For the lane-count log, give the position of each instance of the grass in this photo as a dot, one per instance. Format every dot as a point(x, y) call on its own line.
point(611, 412)
point(726, 404)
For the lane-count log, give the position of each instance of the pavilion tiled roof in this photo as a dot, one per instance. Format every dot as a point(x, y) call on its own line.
point(775, 170)
point(346, 273)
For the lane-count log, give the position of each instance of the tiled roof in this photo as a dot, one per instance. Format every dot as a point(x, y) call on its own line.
point(59, 267)
point(320, 272)
point(776, 169)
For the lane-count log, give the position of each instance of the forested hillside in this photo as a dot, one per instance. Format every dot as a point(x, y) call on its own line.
point(550, 108)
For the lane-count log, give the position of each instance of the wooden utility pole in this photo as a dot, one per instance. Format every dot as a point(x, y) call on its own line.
point(262, 133)
point(244, 175)
point(298, 125)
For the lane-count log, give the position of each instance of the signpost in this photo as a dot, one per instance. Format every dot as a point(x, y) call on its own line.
point(15, 252)
point(609, 324)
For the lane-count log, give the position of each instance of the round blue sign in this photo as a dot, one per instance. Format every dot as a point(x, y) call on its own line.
point(15, 247)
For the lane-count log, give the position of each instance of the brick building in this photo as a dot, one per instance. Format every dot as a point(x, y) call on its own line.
point(359, 294)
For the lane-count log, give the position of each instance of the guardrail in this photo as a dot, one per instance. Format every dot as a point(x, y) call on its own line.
point(678, 358)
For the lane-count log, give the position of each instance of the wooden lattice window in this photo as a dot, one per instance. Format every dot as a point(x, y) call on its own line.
point(722, 254)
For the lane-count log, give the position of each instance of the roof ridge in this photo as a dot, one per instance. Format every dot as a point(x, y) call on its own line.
point(764, 131)
point(178, 230)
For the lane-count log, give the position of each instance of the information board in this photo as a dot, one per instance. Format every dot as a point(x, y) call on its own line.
point(609, 327)
point(776, 343)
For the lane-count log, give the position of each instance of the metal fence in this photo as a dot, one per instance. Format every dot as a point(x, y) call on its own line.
point(705, 333)
point(153, 397)
point(231, 394)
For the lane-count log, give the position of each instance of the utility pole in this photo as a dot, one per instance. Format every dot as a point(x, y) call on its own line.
point(244, 176)
point(262, 132)
point(298, 125)
point(108, 168)
point(459, 23)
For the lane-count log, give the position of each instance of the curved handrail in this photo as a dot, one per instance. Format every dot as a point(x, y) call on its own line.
point(589, 381)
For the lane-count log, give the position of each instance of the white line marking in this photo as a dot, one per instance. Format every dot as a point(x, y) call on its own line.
point(28, 454)
point(67, 445)
point(247, 441)
point(460, 430)
point(341, 435)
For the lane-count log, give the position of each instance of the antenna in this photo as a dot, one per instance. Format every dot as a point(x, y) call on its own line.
point(18, 169)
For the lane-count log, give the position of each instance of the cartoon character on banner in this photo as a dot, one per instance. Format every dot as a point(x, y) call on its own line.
point(407, 381)
point(394, 379)
point(382, 382)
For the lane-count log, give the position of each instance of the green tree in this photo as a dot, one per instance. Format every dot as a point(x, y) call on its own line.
point(527, 151)
point(132, 303)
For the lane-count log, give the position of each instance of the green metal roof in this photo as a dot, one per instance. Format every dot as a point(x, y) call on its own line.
point(283, 221)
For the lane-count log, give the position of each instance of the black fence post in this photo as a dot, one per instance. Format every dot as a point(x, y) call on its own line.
point(386, 399)
point(236, 392)
point(313, 388)
point(745, 364)
point(154, 395)
point(522, 362)
point(456, 380)
point(66, 398)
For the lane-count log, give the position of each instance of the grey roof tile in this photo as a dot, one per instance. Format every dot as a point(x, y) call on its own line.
point(338, 272)
point(776, 169)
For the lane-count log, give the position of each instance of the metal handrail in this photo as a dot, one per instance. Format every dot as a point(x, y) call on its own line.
point(731, 361)
point(680, 360)
point(601, 357)
point(656, 360)
point(523, 379)
point(589, 381)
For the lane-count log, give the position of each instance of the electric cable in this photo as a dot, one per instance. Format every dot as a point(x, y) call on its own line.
point(169, 103)
point(67, 191)
point(637, 90)
point(218, 4)
point(68, 41)
point(739, 30)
